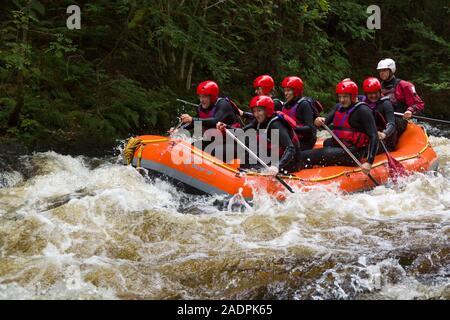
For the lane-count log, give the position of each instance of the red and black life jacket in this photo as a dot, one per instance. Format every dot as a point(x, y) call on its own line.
point(315, 105)
point(206, 113)
point(390, 92)
point(344, 131)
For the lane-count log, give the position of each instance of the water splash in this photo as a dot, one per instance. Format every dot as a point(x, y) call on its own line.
point(86, 228)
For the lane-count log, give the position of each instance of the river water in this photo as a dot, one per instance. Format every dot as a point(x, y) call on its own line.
point(91, 228)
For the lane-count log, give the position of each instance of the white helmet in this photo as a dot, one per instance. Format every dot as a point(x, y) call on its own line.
point(387, 64)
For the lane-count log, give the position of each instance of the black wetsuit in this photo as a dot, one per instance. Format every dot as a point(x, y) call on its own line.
point(361, 119)
point(278, 104)
point(386, 109)
point(400, 122)
point(223, 112)
point(304, 115)
point(287, 141)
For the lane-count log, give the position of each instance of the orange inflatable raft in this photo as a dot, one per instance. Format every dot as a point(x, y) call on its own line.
point(180, 161)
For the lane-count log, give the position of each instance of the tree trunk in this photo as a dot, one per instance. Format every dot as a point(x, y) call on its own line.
point(162, 58)
point(183, 63)
point(189, 75)
point(14, 116)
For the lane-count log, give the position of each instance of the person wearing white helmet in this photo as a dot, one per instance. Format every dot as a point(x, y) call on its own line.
point(387, 63)
point(402, 93)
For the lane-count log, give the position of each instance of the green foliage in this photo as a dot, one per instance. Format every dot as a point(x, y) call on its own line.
point(421, 47)
point(121, 73)
point(61, 46)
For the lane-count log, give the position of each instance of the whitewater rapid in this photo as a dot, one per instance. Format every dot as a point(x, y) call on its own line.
point(91, 228)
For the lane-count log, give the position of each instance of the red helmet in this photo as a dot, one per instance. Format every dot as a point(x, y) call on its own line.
point(371, 85)
point(209, 87)
point(295, 83)
point(263, 101)
point(347, 86)
point(265, 82)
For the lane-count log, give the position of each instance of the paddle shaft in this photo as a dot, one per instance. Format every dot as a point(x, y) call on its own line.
point(388, 155)
point(176, 128)
point(187, 102)
point(178, 125)
point(350, 153)
point(424, 118)
point(239, 142)
point(395, 167)
point(384, 148)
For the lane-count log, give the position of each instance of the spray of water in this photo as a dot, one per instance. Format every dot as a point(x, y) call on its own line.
point(78, 227)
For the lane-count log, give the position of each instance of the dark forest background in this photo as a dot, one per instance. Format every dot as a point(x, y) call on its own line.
point(121, 73)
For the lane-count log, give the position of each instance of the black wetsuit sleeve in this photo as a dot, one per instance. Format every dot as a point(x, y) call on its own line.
point(248, 115)
point(330, 116)
point(224, 113)
point(306, 116)
point(364, 120)
point(286, 143)
point(251, 125)
point(278, 105)
point(388, 112)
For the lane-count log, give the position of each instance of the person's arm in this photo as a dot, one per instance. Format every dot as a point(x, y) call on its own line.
point(330, 116)
point(285, 142)
point(388, 111)
point(328, 120)
point(305, 114)
point(365, 120)
point(278, 105)
point(224, 113)
point(247, 115)
point(413, 101)
point(251, 125)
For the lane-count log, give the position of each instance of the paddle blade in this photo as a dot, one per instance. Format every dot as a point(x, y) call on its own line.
point(396, 169)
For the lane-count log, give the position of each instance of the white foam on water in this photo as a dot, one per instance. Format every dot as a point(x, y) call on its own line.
point(9, 179)
point(411, 289)
point(109, 232)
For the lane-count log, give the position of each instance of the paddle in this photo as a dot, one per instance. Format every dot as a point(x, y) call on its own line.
point(178, 125)
point(350, 153)
point(424, 118)
point(396, 169)
point(176, 128)
point(257, 158)
point(187, 102)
